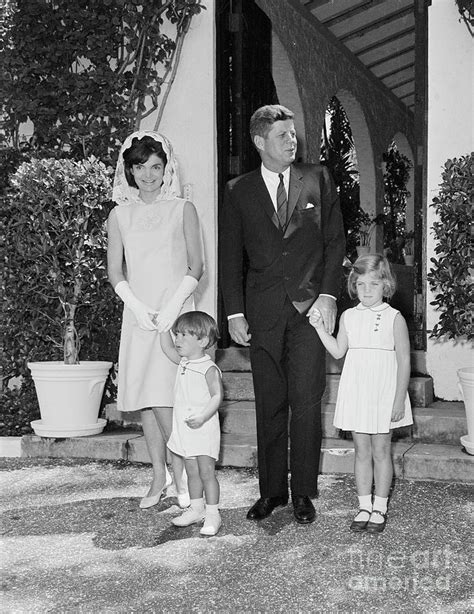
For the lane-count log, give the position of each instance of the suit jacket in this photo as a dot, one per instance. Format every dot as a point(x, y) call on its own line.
point(301, 262)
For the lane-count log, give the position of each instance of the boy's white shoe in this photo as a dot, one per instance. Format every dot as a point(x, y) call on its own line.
point(183, 500)
point(212, 524)
point(190, 516)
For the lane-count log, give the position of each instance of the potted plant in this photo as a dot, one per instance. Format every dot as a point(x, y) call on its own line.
point(365, 230)
point(408, 247)
point(57, 212)
point(451, 274)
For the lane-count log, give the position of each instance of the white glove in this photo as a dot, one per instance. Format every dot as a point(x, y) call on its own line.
point(142, 312)
point(169, 313)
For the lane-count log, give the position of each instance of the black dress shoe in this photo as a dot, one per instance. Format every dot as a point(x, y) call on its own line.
point(357, 526)
point(303, 509)
point(377, 527)
point(265, 506)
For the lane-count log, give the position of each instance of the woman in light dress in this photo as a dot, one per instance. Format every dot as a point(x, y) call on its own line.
point(154, 260)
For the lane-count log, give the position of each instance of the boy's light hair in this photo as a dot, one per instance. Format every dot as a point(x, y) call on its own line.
point(199, 324)
point(372, 263)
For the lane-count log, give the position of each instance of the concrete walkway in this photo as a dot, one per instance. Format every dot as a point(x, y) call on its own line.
point(75, 541)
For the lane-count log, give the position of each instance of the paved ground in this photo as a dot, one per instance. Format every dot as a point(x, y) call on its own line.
point(74, 540)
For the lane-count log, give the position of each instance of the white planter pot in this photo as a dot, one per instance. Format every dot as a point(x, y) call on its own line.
point(69, 397)
point(466, 388)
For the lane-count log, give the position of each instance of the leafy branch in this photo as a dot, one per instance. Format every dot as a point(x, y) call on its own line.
point(87, 73)
point(451, 274)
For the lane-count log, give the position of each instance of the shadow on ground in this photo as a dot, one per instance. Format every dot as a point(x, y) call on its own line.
point(74, 540)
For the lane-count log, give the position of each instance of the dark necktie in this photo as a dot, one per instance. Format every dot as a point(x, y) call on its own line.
point(282, 202)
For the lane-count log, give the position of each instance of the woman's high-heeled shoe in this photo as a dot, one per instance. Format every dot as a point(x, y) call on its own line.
point(147, 502)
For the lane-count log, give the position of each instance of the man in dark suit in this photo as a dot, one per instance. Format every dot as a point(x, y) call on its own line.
point(287, 219)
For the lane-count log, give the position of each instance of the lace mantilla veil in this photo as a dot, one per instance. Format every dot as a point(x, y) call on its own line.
point(124, 194)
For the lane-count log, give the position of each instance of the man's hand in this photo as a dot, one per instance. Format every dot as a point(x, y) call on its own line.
point(238, 329)
point(326, 305)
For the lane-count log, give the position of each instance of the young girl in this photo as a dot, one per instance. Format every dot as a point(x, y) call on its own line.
point(372, 397)
point(198, 394)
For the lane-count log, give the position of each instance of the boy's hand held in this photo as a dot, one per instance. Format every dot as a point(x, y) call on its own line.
point(194, 421)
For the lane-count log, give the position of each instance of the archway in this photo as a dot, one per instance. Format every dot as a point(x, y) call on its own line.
point(347, 151)
point(365, 154)
point(287, 91)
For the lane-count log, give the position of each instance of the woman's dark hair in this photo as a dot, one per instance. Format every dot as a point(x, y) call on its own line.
point(139, 152)
point(199, 324)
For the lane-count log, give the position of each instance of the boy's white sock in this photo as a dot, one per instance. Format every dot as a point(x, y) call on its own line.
point(197, 504)
point(194, 513)
point(212, 521)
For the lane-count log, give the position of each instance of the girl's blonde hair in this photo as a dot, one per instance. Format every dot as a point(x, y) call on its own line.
point(372, 263)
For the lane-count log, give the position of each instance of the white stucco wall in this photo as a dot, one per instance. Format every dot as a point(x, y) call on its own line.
point(450, 131)
point(189, 121)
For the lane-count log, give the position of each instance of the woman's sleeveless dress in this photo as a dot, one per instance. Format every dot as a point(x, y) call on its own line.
point(368, 380)
point(192, 392)
point(156, 262)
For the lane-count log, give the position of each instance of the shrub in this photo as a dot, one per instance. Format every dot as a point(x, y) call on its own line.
point(450, 276)
point(56, 294)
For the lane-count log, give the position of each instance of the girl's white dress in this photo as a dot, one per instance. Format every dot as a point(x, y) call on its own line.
point(192, 392)
point(156, 262)
point(368, 379)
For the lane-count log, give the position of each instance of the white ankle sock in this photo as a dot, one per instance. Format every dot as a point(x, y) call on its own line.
point(212, 509)
point(365, 503)
point(197, 504)
point(380, 504)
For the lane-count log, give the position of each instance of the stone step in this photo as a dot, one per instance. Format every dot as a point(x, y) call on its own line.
point(415, 461)
point(442, 422)
point(238, 386)
point(238, 359)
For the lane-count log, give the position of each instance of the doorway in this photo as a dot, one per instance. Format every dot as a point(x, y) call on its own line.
point(244, 83)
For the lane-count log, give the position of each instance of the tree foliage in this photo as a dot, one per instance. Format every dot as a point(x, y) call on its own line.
point(55, 277)
point(339, 155)
point(395, 179)
point(450, 276)
point(56, 297)
point(87, 72)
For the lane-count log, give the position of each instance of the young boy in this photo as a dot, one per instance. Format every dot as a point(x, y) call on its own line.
point(196, 432)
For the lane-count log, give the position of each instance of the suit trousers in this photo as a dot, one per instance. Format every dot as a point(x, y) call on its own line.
point(289, 377)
